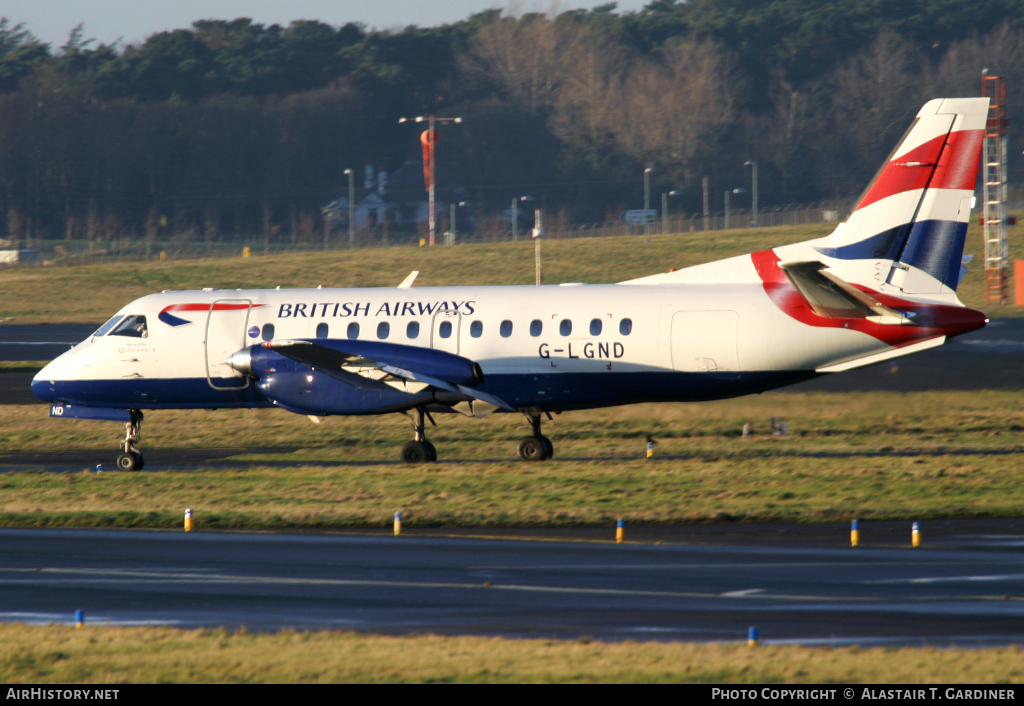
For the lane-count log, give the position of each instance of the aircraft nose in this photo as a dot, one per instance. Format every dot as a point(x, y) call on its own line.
point(43, 388)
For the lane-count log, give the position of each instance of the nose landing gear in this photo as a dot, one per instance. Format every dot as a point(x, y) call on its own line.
point(419, 450)
point(537, 447)
point(131, 458)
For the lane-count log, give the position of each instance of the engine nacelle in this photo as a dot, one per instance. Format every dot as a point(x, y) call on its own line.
point(315, 392)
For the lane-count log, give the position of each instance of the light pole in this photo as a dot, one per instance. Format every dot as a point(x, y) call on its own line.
point(351, 208)
point(647, 198)
point(707, 202)
point(515, 215)
point(431, 144)
point(734, 191)
point(664, 208)
point(538, 230)
point(753, 178)
point(453, 232)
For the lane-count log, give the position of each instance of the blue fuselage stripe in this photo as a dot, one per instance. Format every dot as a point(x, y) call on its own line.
point(561, 391)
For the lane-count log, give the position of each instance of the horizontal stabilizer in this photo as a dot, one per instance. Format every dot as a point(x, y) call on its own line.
point(880, 357)
point(833, 298)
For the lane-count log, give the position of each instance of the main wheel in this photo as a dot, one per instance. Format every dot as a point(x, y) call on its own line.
point(532, 449)
point(142, 462)
point(431, 451)
point(549, 448)
point(129, 462)
point(416, 452)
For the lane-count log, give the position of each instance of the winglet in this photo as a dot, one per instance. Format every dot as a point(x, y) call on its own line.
point(407, 282)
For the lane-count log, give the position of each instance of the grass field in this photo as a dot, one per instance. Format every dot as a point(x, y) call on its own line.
point(57, 654)
point(41, 295)
point(956, 453)
point(942, 455)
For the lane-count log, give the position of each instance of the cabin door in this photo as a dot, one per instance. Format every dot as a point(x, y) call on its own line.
point(704, 341)
point(226, 323)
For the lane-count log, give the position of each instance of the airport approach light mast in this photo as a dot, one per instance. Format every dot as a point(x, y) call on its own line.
point(429, 141)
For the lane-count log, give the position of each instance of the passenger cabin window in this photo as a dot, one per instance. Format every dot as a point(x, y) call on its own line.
point(102, 330)
point(476, 329)
point(321, 330)
point(595, 327)
point(383, 330)
point(506, 328)
point(132, 326)
point(626, 327)
point(268, 332)
point(445, 329)
point(413, 329)
point(536, 327)
point(565, 328)
point(353, 331)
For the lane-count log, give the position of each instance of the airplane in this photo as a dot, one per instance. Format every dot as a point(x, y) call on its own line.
point(881, 286)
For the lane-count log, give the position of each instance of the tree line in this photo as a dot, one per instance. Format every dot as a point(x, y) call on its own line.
point(232, 129)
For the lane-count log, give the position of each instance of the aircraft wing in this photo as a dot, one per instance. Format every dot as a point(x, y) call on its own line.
point(370, 364)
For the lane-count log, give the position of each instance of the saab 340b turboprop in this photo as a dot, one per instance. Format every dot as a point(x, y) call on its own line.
point(882, 285)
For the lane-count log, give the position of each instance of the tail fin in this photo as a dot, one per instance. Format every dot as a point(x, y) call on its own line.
point(908, 229)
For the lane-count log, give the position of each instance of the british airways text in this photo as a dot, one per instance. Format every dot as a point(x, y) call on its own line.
point(341, 310)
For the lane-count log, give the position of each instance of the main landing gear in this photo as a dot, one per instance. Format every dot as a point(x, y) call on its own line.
point(131, 458)
point(419, 450)
point(533, 448)
point(537, 447)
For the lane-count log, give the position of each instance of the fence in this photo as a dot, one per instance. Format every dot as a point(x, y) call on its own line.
point(58, 253)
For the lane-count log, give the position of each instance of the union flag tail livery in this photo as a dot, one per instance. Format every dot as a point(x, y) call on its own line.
point(906, 234)
point(882, 285)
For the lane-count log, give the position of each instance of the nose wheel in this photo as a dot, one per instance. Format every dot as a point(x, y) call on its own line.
point(419, 450)
point(537, 447)
point(131, 458)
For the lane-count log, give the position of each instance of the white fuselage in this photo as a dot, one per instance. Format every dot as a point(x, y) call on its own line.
point(732, 333)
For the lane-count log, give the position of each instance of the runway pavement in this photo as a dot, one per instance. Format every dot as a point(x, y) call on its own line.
point(966, 588)
point(40, 341)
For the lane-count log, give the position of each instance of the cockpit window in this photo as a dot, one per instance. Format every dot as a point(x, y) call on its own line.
point(105, 328)
point(133, 326)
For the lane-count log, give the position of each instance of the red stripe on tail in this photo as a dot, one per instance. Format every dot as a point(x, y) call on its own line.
point(897, 177)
